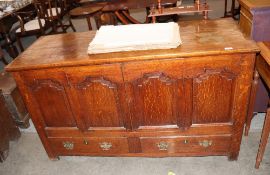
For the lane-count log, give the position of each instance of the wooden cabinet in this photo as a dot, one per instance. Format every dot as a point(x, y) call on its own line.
point(188, 101)
point(13, 100)
point(253, 24)
point(8, 129)
point(248, 7)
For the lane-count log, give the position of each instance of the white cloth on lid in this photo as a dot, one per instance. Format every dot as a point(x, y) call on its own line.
point(135, 37)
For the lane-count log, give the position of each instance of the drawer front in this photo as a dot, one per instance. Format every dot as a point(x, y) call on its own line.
point(215, 144)
point(84, 146)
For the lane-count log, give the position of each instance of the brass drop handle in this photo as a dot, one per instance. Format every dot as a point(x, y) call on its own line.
point(85, 142)
point(185, 141)
point(68, 145)
point(105, 146)
point(205, 143)
point(162, 146)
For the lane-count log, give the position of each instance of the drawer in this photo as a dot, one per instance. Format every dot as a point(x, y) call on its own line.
point(91, 146)
point(214, 144)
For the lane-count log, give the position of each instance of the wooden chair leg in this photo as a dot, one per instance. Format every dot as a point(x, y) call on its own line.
point(19, 42)
point(4, 61)
point(71, 25)
point(89, 22)
point(225, 8)
point(62, 26)
point(264, 138)
point(54, 27)
point(233, 8)
point(252, 99)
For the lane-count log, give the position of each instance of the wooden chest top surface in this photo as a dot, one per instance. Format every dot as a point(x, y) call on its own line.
point(204, 37)
point(251, 4)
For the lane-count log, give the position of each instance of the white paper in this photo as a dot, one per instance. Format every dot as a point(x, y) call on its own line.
point(135, 37)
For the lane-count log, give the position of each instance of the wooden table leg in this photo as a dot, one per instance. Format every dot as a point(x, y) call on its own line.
point(264, 138)
point(205, 14)
point(233, 8)
point(252, 99)
point(225, 8)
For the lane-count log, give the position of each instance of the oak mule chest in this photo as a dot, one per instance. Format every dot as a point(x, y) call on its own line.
point(188, 101)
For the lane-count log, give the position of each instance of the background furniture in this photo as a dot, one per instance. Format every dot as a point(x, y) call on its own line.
point(88, 12)
point(2, 57)
point(13, 100)
point(121, 9)
point(55, 11)
point(233, 10)
point(140, 103)
point(263, 70)
point(8, 129)
point(259, 101)
point(198, 7)
point(31, 23)
point(6, 23)
point(114, 10)
point(246, 15)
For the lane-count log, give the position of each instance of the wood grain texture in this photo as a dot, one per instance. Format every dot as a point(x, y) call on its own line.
point(89, 145)
point(198, 38)
point(252, 98)
point(48, 92)
point(251, 4)
point(212, 104)
point(246, 21)
point(141, 103)
point(264, 47)
point(185, 144)
point(246, 16)
point(151, 90)
point(97, 98)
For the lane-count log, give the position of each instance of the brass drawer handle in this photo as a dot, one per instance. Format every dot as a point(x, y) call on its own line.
point(105, 146)
point(85, 142)
point(68, 145)
point(162, 146)
point(185, 141)
point(205, 143)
